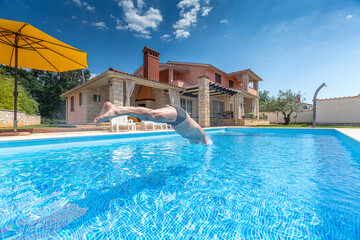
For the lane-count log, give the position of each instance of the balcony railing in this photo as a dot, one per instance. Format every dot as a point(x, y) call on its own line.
point(251, 90)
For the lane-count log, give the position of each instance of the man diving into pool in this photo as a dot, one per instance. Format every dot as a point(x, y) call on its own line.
point(182, 123)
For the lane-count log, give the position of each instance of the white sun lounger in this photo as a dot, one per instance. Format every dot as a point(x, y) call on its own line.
point(153, 125)
point(122, 121)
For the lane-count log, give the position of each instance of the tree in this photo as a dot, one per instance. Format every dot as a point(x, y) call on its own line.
point(46, 87)
point(264, 97)
point(25, 102)
point(286, 102)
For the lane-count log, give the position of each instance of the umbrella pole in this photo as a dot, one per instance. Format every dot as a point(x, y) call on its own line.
point(16, 78)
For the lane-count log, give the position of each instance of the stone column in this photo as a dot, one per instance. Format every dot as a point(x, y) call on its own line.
point(256, 85)
point(257, 108)
point(177, 99)
point(204, 101)
point(237, 108)
point(116, 92)
point(242, 112)
point(246, 82)
point(253, 104)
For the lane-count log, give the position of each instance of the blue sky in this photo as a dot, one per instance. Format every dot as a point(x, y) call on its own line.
point(291, 44)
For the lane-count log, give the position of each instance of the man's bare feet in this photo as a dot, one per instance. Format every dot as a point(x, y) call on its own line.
point(107, 113)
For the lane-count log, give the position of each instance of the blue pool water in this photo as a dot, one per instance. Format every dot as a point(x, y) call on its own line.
point(247, 184)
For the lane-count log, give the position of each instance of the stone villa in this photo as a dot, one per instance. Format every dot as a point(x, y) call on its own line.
point(208, 94)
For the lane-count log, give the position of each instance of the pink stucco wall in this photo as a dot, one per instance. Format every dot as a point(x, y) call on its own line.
point(78, 116)
point(191, 77)
point(164, 76)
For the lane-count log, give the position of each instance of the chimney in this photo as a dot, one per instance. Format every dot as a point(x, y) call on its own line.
point(151, 63)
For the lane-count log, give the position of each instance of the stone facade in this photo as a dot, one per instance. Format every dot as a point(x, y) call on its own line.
point(245, 83)
point(116, 92)
point(7, 119)
point(93, 108)
point(161, 98)
point(204, 101)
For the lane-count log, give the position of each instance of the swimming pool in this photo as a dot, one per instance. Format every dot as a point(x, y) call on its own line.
point(248, 183)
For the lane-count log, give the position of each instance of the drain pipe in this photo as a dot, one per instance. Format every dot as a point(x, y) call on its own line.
point(314, 104)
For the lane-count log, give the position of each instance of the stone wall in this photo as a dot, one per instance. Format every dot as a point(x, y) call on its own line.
point(302, 117)
point(334, 111)
point(161, 98)
point(93, 108)
point(7, 119)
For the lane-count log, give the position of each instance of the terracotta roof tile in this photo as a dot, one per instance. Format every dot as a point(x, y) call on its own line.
point(241, 71)
point(83, 83)
point(149, 79)
point(115, 70)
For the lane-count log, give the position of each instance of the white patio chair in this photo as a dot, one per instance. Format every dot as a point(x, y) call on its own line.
point(122, 121)
point(154, 124)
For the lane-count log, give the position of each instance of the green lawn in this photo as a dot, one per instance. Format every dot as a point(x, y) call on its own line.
point(32, 126)
point(302, 126)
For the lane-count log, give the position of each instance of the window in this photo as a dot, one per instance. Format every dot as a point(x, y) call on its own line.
point(231, 84)
point(218, 108)
point(231, 107)
point(217, 78)
point(72, 104)
point(187, 105)
point(96, 98)
point(81, 99)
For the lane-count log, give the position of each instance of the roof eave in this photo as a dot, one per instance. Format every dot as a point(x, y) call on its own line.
point(84, 84)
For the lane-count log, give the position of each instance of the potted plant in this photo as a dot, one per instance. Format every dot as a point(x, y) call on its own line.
point(264, 116)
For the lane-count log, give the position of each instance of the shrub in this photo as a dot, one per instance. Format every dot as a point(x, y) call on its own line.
point(25, 102)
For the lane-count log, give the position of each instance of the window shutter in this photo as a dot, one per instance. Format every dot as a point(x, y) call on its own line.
point(217, 78)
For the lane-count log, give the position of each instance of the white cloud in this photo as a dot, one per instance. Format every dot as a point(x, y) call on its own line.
point(140, 3)
point(189, 10)
point(181, 33)
point(77, 2)
point(84, 22)
point(73, 17)
point(224, 21)
point(84, 4)
point(58, 30)
point(91, 9)
point(349, 16)
point(142, 35)
point(92, 75)
point(206, 11)
point(99, 25)
point(188, 13)
point(166, 38)
point(137, 19)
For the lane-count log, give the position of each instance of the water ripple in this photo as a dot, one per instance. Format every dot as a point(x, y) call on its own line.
point(242, 186)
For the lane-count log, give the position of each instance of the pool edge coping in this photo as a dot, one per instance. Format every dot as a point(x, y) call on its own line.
point(349, 132)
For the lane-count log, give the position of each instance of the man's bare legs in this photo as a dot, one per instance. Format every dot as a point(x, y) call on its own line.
point(188, 128)
point(162, 115)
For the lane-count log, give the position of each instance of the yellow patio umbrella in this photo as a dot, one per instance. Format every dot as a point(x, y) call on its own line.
point(22, 45)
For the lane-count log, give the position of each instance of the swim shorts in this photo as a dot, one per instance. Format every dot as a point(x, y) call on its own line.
point(181, 116)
